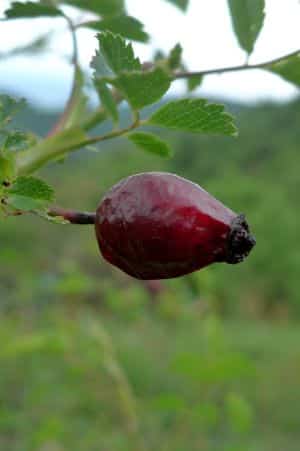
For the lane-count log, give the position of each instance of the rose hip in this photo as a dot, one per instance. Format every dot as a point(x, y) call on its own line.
point(158, 225)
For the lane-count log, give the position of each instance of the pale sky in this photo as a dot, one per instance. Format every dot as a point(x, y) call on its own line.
point(204, 32)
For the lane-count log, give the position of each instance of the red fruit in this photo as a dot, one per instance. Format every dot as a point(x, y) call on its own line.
point(157, 225)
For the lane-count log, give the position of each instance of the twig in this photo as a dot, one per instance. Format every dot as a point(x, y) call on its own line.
point(115, 133)
point(222, 70)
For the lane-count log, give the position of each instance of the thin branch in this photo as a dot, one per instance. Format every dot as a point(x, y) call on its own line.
point(115, 133)
point(222, 70)
point(72, 99)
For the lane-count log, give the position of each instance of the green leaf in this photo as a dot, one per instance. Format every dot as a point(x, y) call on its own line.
point(247, 20)
point(151, 143)
point(194, 82)
point(24, 203)
point(8, 108)
point(169, 403)
point(126, 26)
point(174, 60)
point(118, 55)
point(287, 68)
point(100, 7)
point(194, 115)
point(29, 193)
point(7, 166)
point(18, 140)
point(107, 99)
point(143, 88)
point(206, 414)
point(181, 4)
point(20, 10)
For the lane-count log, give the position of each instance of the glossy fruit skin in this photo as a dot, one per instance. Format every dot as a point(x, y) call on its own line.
point(158, 225)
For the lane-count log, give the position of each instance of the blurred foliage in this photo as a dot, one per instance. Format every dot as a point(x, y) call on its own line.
point(256, 174)
point(192, 384)
point(92, 359)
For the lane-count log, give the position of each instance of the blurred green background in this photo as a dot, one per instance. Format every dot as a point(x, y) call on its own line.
point(92, 359)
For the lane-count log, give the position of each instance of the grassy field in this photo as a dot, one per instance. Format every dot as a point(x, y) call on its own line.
point(78, 378)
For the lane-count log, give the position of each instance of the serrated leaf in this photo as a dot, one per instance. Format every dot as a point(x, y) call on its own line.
point(143, 88)
point(118, 55)
point(29, 193)
point(174, 60)
point(194, 115)
point(8, 108)
point(20, 10)
point(107, 99)
point(104, 8)
point(181, 4)
point(194, 82)
point(287, 68)
point(151, 143)
point(247, 20)
point(126, 26)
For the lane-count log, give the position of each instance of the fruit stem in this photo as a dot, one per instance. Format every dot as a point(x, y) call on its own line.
point(72, 216)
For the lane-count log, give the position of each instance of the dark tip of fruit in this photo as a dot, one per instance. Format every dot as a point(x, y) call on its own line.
point(240, 240)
